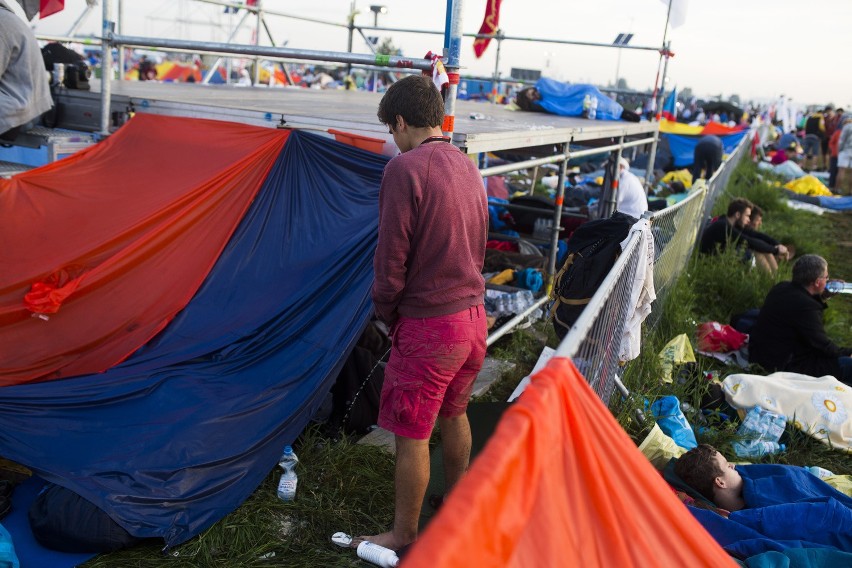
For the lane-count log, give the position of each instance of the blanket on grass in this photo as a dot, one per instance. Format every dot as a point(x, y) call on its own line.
point(819, 406)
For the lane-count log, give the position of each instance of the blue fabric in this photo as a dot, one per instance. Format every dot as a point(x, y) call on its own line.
point(8, 558)
point(180, 434)
point(683, 147)
point(787, 507)
point(673, 423)
point(670, 104)
point(29, 551)
point(566, 99)
point(836, 203)
point(801, 558)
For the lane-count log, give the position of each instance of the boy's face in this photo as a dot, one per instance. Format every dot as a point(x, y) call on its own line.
point(730, 478)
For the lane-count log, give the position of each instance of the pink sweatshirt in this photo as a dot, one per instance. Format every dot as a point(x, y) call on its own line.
point(433, 224)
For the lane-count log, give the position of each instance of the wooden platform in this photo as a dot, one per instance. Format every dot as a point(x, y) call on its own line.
point(479, 126)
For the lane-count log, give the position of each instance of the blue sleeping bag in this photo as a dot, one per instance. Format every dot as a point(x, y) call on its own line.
point(566, 99)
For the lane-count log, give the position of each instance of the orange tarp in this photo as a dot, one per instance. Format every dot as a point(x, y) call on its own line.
point(561, 484)
point(103, 247)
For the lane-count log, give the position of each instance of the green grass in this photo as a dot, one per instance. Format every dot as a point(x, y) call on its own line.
point(348, 487)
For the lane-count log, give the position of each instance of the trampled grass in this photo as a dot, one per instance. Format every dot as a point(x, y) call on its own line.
point(348, 487)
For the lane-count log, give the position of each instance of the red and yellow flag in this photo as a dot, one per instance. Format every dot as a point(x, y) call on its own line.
point(489, 26)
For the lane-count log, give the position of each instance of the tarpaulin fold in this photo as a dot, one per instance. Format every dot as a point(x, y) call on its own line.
point(178, 435)
point(139, 219)
point(561, 484)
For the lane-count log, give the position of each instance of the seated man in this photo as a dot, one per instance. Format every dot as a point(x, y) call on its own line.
point(752, 230)
point(730, 229)
point(24, 92)
point(789, 333)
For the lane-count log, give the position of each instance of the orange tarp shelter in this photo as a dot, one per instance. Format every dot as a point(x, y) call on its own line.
point(561, 484)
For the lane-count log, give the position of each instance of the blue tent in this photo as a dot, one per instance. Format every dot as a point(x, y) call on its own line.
point(182, 432)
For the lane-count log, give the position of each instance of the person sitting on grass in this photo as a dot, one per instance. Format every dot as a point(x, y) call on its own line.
point(729, 229)
point(789, 334)
point(752, 230)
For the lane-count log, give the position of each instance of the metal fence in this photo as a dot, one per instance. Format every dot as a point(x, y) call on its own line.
point(594, 340)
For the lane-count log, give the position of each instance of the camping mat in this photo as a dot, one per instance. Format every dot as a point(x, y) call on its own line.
point(30, 553)
point(483, 418)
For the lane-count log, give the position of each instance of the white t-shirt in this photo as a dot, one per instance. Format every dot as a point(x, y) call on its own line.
point(631, 197)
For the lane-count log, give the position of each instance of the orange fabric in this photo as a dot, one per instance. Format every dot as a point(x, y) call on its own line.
point(719, 129)
point(134, 248)
point(561, 484)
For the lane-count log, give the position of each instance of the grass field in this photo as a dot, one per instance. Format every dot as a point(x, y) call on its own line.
point(348, 487)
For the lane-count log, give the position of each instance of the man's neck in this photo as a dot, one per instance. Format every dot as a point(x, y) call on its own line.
point(420, 135)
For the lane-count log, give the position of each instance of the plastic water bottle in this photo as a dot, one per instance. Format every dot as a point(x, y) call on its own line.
point(838, 287)
point(288, 481)
point(757, 448)
point(593, 108)
point(819, 472)
point(587, 105)
point(379, 555)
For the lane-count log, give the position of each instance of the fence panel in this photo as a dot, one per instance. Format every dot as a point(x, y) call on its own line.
point(594, 341)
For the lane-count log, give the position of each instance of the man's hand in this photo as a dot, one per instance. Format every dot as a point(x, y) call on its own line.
point(782, 252)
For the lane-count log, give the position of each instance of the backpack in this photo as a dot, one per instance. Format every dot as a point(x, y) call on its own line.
point(592, 251)
point(77, 72)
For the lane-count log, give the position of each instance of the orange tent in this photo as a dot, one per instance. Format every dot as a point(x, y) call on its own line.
point(561, 484)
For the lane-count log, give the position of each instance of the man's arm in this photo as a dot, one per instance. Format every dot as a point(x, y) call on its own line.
point(397, 219)
point(812, 331)
point(754, 243)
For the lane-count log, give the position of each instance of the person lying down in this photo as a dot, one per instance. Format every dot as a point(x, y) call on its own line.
point(765, 507)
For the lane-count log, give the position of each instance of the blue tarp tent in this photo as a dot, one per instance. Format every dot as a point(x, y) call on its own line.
point(683, 147)
point(178, 435)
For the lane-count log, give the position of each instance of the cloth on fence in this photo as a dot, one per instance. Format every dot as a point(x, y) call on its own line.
point(808, 185)
point(642, 293)
point(821, 405)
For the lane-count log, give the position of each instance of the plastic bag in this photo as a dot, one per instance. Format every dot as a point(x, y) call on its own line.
point(676, 352)
point(719, 338)
point(659, 448)
point(673, 423)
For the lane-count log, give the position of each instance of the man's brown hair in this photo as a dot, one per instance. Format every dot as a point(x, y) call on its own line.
point(416, 100)
point(699, 469)
point(739, 205)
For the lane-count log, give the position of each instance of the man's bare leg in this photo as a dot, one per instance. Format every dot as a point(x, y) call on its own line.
point(456, 441)
point(411, 477)
point(766, 262)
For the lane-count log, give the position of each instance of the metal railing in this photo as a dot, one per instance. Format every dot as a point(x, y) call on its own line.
point(594, 341)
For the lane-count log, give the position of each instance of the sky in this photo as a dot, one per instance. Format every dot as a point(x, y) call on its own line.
point(756, 49)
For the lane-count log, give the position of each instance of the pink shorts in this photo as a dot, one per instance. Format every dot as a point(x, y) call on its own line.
point(432, 367)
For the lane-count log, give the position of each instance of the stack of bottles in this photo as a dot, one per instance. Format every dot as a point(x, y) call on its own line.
point(761, 431)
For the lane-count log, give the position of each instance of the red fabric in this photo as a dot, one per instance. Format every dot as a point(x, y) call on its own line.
point(48, 7)
point(561, 484)
point(490, 25)
point(715, 337)
point(135, 222)
point(719, 129)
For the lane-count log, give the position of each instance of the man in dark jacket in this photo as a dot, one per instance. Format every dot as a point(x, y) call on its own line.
point(730, 228)
point(789, 333)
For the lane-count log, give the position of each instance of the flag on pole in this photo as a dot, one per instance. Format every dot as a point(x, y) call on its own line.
point(670, 106)
point(677, 16)
point(489, 26)
point(48, 7)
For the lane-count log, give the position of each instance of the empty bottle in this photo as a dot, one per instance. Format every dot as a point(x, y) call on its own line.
point(593, 108)
point(819, 472)
point(757, 448)
point(289, 480)
point(587, 105)
point(379, 555)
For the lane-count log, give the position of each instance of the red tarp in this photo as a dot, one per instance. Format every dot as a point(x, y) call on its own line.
point(561, 484)
point(101, 241)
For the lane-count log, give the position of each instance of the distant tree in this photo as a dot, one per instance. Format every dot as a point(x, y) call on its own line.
point(388, 48)
point(734, 100)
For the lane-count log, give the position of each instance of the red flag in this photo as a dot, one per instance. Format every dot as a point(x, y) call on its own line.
point(489, 26)
point(48, 7)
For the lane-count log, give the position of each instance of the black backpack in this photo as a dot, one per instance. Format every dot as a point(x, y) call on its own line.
point(77, 72)
point(592, 251)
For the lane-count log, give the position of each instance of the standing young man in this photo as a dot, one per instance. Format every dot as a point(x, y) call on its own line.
point(433, 224)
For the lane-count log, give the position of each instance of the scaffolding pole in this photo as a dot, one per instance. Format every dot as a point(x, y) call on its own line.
point(496, 79)
point(257, 24)
point(557, 217)
point(452, 56)
point(215, 65)
point(106, 66)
